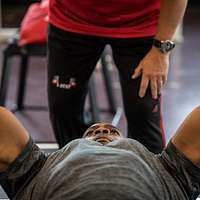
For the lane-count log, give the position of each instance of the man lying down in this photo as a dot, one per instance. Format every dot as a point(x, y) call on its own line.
point(100, 166)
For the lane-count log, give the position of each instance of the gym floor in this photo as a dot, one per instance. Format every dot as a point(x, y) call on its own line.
point(180, 95)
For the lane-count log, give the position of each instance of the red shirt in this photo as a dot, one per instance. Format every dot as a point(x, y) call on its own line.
point(109, 18)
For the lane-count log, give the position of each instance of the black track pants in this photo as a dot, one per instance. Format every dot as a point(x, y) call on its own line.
point(72, 58)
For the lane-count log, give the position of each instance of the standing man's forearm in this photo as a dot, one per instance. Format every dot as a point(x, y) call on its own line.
point(171, 15)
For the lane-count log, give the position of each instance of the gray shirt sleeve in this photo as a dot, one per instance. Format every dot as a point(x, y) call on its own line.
point(22, 170)
point(186, 174)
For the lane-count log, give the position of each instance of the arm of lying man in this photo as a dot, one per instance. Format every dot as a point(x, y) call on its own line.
point(187, 137)
point(18, 154)
point(182, 155)
point(13, 138)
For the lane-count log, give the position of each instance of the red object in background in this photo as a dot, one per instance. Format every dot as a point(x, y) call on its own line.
point(34, 24)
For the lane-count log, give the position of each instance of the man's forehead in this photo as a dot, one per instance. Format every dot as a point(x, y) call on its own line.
point(103, 124)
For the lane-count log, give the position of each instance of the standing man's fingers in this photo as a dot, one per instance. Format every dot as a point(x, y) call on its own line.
point(159, 84)
point(143, 85)
point(154, 87)
point(137, 72)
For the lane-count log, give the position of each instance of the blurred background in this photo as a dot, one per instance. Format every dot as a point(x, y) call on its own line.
point(180, 95)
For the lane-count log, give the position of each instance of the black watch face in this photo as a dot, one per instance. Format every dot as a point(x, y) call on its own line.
point(167, 46)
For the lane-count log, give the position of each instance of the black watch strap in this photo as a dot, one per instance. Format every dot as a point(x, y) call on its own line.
point(157, 43)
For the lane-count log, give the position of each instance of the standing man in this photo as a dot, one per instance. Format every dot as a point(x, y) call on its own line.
point(140, 34)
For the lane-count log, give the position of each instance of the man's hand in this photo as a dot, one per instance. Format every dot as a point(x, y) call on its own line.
point(154, 70)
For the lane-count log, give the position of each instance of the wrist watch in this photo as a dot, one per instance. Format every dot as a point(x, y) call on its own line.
point(164, 46)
